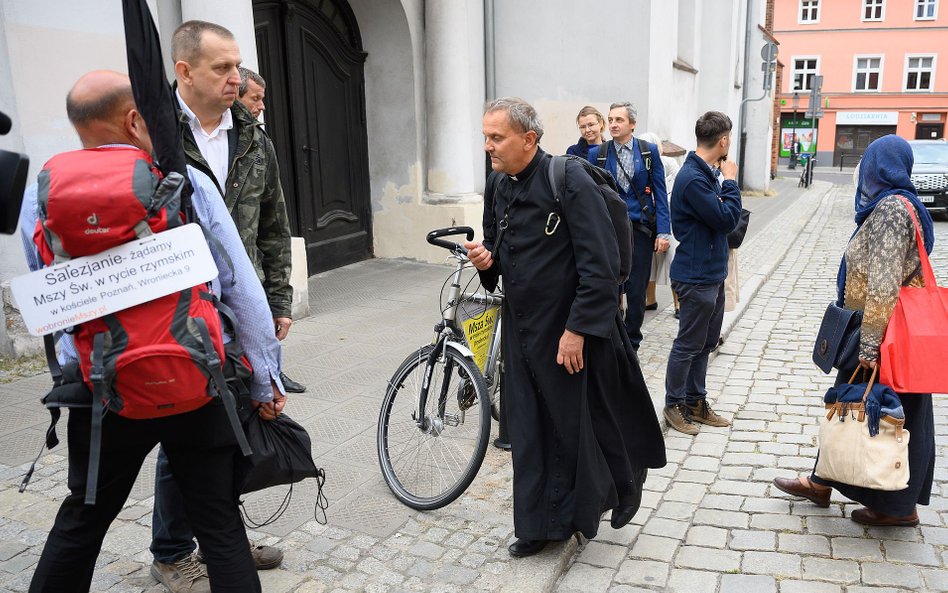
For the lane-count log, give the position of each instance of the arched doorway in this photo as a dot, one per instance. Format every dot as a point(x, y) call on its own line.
point(310, 52)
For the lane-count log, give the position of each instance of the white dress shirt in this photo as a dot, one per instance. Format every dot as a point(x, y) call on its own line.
point(213, 146)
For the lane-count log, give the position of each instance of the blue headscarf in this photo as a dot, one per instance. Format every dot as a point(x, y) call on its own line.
point(885, 170)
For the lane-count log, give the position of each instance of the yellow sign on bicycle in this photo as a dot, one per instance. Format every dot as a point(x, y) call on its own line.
point(478, 331)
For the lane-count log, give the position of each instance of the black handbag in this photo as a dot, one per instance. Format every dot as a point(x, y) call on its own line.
point(282, 453)
point(736, 237)
point(837, 342)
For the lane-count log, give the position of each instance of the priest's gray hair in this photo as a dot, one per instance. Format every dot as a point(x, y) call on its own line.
point(628, 109)
point(523, 117)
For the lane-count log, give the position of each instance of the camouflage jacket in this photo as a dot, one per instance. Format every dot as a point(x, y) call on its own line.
point(254, 197)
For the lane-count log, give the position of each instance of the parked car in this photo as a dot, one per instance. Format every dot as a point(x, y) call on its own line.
point(930, 174)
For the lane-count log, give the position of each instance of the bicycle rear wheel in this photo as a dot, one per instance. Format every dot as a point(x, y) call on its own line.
point(429, 466)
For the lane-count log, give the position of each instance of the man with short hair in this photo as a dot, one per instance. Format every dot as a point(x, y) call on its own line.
point(251, 93)
point(703, 212)
point(200, 444)
point(223, 140)
point(581, 424)
point(253, 89)
point(641, 181)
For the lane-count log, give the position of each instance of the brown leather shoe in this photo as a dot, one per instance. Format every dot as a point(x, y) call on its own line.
point(867, 516)
point(804, 488)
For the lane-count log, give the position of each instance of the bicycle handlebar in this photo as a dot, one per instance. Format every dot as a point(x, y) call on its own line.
point(434, 237)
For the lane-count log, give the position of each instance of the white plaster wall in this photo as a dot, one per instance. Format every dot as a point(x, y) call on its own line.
point(545, 53)
point(758, 120)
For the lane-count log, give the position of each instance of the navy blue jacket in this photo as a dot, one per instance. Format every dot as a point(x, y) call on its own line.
point(703, 213)
point(580, 149)
point(659, 196)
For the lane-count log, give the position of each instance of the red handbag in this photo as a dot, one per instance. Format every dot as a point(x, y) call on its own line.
point(915, 347)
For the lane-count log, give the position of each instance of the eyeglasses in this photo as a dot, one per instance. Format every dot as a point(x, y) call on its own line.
point(589, 126)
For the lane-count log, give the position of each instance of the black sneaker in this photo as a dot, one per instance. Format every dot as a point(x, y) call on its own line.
point(290, 385)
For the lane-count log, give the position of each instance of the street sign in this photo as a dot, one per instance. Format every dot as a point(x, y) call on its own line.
point(769, 54)
point(815, 108)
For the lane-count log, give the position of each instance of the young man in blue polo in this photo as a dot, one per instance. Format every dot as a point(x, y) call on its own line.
point(640, 175)
point(703, 212)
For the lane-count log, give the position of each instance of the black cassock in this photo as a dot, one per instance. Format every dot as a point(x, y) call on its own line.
point(573, 437)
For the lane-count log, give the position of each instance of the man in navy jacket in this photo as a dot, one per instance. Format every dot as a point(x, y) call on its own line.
point(703, 212)
point(647, 200)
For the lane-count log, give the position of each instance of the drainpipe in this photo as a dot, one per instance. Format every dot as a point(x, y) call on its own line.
point(490, 74)
point(740, 115)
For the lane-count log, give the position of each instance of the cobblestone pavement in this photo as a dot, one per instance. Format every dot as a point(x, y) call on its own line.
point(369, 317)
point(713, 522)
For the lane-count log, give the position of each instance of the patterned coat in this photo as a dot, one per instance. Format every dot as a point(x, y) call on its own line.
point(881, 258)
point(254, 197)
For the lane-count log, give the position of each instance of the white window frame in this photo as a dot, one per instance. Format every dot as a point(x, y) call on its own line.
point(819, 12)
point(931, 78)
point(866, 4)
point(793, 71)
point(856, 58)
point(925, 3)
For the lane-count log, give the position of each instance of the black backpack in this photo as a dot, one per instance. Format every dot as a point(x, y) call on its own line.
point(647, 207)
point(618, 211)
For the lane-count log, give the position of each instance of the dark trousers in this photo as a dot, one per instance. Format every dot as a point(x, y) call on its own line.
point(171, 535)
point(643, 245)
point(702, 313)
point(202, 451)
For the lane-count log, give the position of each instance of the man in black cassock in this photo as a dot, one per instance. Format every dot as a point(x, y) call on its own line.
point(581, 423)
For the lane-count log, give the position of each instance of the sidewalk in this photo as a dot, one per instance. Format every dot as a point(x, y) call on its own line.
point(369, 316)
point(713, 522)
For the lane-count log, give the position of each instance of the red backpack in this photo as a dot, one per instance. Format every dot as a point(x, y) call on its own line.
point(159, 358)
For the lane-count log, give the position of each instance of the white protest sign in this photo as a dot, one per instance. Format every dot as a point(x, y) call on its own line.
point(86, 288)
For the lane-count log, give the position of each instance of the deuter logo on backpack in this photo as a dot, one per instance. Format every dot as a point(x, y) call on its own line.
point(94, 222)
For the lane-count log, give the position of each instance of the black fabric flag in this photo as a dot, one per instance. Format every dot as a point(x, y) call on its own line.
point(153, 94)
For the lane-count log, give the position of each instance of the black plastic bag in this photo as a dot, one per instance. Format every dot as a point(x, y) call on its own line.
point(282, 454)
point(736, 237)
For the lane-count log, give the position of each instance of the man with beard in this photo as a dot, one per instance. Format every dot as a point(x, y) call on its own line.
point(582, 426)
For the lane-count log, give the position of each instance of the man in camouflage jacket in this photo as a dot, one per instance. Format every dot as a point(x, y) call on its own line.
point(254, 196)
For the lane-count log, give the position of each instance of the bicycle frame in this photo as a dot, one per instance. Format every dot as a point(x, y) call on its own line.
point(448, 335)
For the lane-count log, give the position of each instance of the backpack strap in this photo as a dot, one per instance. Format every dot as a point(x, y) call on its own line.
point(645, 201)
point(97, 376)
point(603, 154)
point(647, 159)
point(557, 177)
point(218, 384)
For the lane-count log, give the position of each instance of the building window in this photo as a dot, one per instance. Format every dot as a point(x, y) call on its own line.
point(868, 73)
point(873, 10)
point(926, 10)
point(809, 11)
point(804, 69)
point(919, 71)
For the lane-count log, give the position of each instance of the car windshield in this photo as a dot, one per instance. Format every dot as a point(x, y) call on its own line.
point(931, 153)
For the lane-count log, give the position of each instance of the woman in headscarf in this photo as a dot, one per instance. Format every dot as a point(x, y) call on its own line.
point(882, 256)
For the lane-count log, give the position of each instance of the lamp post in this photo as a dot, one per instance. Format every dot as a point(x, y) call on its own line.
point(795, 102)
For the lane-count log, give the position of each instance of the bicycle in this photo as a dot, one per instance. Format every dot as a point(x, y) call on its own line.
point(431, 448)
point(806, 176)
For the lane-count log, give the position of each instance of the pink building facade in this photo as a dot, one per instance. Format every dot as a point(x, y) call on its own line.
point(885, 71)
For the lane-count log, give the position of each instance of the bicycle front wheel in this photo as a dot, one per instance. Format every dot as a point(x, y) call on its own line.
point(429, 461)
